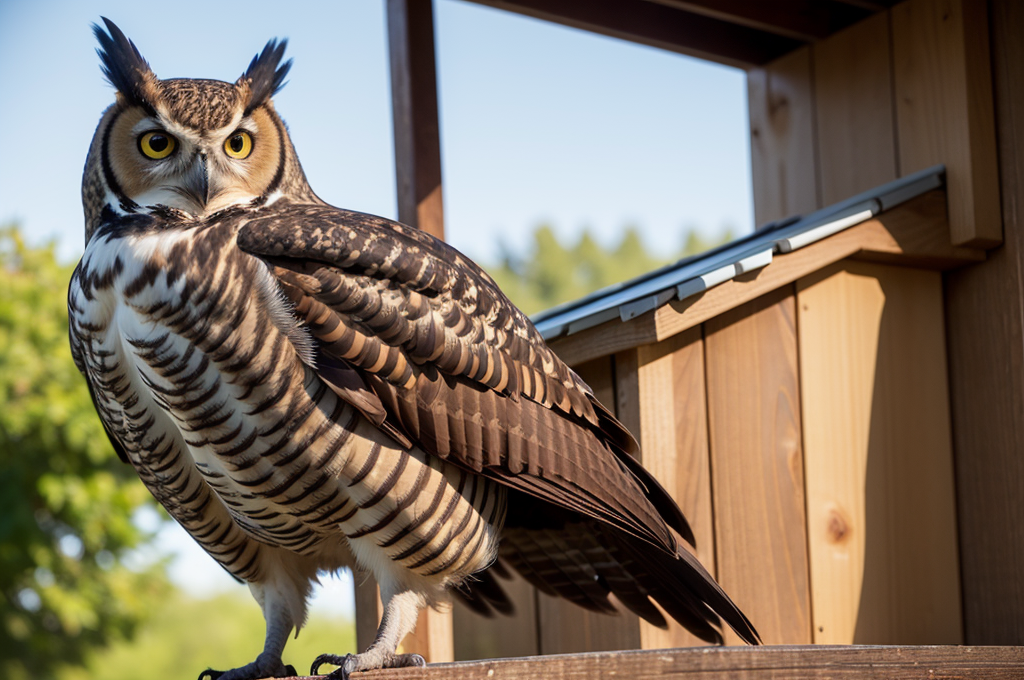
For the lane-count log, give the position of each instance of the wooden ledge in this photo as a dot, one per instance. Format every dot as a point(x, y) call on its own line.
point(915, 234)
point(751, 663)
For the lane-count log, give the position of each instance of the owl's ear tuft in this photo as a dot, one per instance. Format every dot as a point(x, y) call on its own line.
point(124, 66)
point(265, 75)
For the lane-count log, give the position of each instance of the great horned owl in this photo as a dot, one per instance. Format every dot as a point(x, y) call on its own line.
point(306, 388)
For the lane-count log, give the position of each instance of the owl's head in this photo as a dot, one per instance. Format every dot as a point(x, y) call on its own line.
point(194, 145)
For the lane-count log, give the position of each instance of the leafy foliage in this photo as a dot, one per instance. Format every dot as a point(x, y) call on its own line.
point(186, 635)
point(66, 502)
point(551, 272)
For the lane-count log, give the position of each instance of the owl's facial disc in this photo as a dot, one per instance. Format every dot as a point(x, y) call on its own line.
point(161, 162)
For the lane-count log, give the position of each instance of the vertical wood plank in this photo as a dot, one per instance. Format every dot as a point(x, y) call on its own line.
point(878, 457)
point(854, 109)
point(433, 637)
point(368, 610)
point(563, 627)
point(500, 637)
point(782, 154)
point(985, 312)
point(757, 466)
point(944, 108)
point(414, 109)
point(671, 426)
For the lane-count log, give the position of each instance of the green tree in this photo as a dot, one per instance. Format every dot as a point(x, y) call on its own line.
point(186, 635)
point(66, 502)
point(551, 272)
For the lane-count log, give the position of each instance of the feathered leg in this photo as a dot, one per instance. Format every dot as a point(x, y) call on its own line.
point(401, 609)
point(280, 623)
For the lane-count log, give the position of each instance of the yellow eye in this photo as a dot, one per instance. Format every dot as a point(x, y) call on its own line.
point(157, 144)
point(238, 145)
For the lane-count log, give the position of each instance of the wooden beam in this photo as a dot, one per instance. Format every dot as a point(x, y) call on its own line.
point(660, 26)
point(414, 109)
point(420, 201)
point(815, 662)
point(914, 234)
point(804, 20)
point(878, 458)
point(944, 109)
point(753, 395)
point(985, 312)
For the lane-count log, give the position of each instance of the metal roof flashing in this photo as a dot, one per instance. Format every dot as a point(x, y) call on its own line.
point(694, 275)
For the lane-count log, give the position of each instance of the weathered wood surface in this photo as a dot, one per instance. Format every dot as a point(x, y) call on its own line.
point(854, 110)
point(756, 460)
point(986, 357)
point(782, 154)
point(414, 110)
point(662, 402)
point(915, 233)
point(742, 663)
point(944, 111)
point(881, 510)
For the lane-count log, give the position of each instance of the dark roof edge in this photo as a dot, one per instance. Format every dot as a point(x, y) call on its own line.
point(694, 275)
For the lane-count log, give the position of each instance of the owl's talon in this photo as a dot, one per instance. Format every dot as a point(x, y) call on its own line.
point(332, 659)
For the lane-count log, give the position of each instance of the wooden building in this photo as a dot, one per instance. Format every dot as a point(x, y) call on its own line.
point(836, 402)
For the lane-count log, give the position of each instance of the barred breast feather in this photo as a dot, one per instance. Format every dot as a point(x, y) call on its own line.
point(204, 380)
point(318, 387)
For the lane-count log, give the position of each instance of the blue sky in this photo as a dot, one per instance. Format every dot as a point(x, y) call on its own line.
point(539, 123)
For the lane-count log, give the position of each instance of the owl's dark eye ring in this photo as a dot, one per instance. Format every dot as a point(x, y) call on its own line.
point(239, 145)
point(157, 144)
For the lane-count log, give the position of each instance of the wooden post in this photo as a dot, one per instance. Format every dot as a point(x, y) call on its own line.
point(986, 352)
point(943, 85)
point(414, 106)
point(418, 176)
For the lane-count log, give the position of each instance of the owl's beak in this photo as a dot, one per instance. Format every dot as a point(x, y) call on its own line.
point(197, 181)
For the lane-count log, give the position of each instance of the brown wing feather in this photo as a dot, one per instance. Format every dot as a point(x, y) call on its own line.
point(459, 370)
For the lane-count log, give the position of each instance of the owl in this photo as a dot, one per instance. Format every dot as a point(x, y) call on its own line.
point(307, 389)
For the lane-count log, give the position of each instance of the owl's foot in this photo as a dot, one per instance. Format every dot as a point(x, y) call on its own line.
point(263, 667)
point(371, 659)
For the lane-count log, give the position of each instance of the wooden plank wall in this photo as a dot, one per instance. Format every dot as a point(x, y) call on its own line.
point(881, 508)
point(985, 317)
point(904, 90)
point(756, 454)
point(927, 82)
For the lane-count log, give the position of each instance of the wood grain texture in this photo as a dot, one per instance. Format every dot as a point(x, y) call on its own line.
point(878, 456)
point(415, 116)
point(742, 663)
point(479, 637)
point(368, 609)
point(661, 26)
point(757, 465)
point(782, 154)
point(944, 109)
point(985, 316)
point(564, 628)
point(854, 109)
point(665, 382)
point(803, 20)
point(915, 233)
